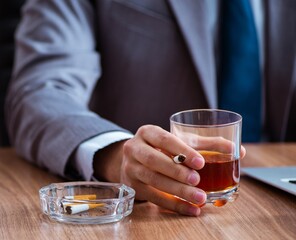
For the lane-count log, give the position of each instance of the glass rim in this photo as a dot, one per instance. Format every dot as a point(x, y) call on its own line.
point(203, 125)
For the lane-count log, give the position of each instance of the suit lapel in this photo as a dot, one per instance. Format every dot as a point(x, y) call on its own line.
point(280, 59)
point(191, 16)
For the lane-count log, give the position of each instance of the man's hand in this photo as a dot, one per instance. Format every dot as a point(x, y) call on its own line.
point(145, 164)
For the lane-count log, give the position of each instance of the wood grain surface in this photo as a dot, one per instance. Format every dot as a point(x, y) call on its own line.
point(260, 212)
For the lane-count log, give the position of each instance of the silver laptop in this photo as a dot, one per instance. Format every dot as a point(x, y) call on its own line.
point(281, 177)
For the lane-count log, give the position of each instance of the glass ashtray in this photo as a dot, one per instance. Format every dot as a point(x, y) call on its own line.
point(87, 202)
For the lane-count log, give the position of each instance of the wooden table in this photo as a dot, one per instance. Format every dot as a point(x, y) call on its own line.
point(260, 212)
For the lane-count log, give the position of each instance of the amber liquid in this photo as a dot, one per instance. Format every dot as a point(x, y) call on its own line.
point(221, 172)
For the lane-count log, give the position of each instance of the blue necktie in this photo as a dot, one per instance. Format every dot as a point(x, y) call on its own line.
point(240, 83)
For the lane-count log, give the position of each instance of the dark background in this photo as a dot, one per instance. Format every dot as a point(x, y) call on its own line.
point(9, 18)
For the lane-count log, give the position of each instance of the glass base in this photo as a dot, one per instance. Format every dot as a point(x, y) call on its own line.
point(219, 199)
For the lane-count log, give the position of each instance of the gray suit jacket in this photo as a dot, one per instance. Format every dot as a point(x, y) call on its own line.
point(152, 58)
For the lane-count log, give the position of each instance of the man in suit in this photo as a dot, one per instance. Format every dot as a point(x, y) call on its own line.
point(95, 83)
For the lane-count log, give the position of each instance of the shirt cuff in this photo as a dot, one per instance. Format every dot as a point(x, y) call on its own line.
point(83, 160)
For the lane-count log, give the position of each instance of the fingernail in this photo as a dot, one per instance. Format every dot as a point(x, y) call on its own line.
point(198, 162)
point(192, 211)
point(193, 178)
point(200, 197)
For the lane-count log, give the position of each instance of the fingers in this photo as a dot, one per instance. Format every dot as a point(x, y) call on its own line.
point(171, 145)
point(169, 185)
point(147, 166)
point(198, 142)
point(218, 144)
point(156, 178)
point(243, 152)
point(168, 201)
point(159, 162)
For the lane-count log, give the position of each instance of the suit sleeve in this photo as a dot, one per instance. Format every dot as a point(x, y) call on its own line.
point(56, 69)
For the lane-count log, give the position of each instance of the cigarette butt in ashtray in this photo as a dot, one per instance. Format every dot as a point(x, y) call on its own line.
point(78, 208)
point(73, 208)
point(82, 197)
